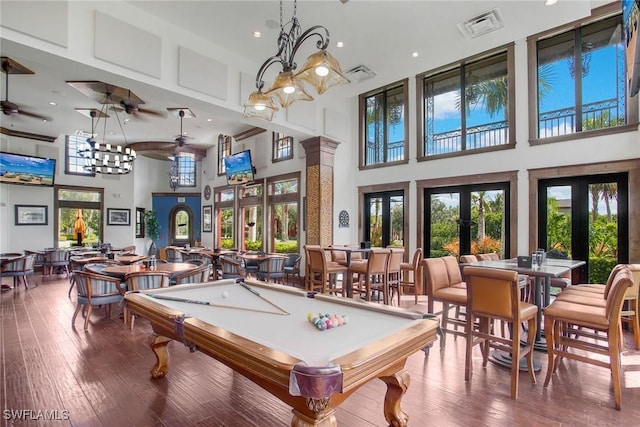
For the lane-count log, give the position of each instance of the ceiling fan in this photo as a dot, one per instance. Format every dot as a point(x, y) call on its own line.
point(9, 66)
point(181, 139)
point(132, 106)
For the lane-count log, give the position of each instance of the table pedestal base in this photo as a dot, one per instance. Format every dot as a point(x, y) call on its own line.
point(503, 359)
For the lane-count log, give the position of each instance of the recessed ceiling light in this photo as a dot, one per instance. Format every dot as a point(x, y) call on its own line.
point(52, 103)
point(550, 2)
point(209, 120)
point(415, 54)
point(127, 120)
point(45, 120)
point(339, 44)
point(257, 34)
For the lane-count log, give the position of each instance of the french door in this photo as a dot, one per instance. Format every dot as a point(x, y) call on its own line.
point(467, 219)
point(586, 218)
point(384, 218)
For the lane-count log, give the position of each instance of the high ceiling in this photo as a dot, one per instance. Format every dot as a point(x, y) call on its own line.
point(381, 35)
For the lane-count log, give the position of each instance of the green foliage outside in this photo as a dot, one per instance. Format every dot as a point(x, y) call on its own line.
point(288, 247)
point(599, 268)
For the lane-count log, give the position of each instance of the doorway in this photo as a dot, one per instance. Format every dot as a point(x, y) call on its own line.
point(384, 218)
point(586, 218)
point(467, 219)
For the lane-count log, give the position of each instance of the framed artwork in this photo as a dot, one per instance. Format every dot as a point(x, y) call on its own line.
point(32, 215)
point(140, 232)
point(118, 216)
point(206, 218)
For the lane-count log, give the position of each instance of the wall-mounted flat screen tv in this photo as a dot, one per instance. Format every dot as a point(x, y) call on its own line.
point(26, 170)
point(238, 168)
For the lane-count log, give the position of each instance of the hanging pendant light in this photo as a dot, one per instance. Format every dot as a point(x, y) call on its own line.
point(321, 70)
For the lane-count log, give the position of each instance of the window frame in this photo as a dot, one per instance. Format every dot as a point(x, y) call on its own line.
point(597, 14)
point(224, 150)
point(362, 111)
point(185, 175)
point(68, 156)
point(509, 50)
point(278, 138)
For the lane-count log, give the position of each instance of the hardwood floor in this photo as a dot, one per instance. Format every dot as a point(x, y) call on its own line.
point(101, 378)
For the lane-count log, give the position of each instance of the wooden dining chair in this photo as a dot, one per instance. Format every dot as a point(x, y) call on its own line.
point(271, 269)
point(142, 280)
point(321, 275)
point(565, 323)
point(410, 276)
point(95, 290)
point(200, 274)
point(394, 272)
point(494, 294)
point(373, 276)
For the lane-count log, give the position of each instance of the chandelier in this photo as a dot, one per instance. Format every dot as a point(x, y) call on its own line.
point(321, 70)
point(103, 157)
point(174, 172)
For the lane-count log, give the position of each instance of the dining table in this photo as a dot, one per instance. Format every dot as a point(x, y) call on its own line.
point(120, 271)
point(347, 282)
point(542, 274)
point(129, 259)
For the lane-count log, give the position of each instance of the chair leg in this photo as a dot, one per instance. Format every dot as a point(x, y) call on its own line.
point(614, 362)
point(86, 319)
point(468, 361)
point(549, 333)
point(75, 314)
point(635, 322)
point(515, 360)
point(531, 338)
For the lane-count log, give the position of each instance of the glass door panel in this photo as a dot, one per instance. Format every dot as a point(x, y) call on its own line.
point(384, 219)
point(252, 228)
point(487, 222)
point(74, 231)
point(445, 224)
point(285, 228)
point(559, 219)
point(224, 224)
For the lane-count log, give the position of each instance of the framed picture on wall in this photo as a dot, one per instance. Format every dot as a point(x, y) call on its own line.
point(118, 216)
point(31, 215)
point(206, 218)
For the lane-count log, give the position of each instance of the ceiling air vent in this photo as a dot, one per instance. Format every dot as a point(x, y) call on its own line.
point(360, 73)
point(482, 24)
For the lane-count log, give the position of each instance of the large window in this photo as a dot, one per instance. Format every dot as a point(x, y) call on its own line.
point(580, 80)
point(466, 106)
point(384, 129)
point(282, 148)
point(224, 204)
point(251, 203)
point(75, 205)
point(74, 164)
point(284, 206)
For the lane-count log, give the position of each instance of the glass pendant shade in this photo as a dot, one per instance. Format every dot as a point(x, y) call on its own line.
point(260, 106)
point(287, 90)
point(322, 71)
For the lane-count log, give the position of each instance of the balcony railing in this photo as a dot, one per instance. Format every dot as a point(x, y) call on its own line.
point(483, 136)
point(394, 152)
point(595, 115)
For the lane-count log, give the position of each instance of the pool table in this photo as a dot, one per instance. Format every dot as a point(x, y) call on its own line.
point(262, 331)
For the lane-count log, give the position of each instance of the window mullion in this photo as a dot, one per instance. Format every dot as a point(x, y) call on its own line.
point(577, 59)
point(463, 107)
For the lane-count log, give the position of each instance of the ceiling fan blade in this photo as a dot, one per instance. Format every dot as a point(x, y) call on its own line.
point(9, 107)
point(34, 115)
point(151, 112)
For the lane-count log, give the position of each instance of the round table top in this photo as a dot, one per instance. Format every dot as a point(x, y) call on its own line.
point(173, 268)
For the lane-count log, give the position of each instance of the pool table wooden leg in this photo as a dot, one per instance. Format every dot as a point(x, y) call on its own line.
point(397, 385)
point(320, 416)
point(158, 344)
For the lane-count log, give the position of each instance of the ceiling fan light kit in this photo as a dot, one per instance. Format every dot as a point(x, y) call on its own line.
point(321, 70)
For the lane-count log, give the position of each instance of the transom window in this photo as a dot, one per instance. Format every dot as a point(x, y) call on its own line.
point(74, 163)
point(466, 106)
point(282, 147)
point(384, 131)
point(224, 150)
point(186, 171)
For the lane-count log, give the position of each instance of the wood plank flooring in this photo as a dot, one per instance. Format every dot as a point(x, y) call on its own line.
point(101, 378)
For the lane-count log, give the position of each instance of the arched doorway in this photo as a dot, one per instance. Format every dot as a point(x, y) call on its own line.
point(181, 224)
